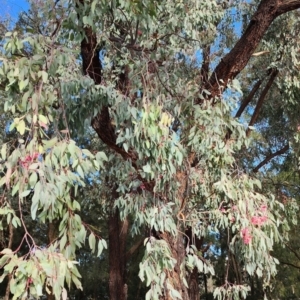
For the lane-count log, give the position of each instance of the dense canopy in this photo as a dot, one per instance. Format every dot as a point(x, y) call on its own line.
point(150, 150)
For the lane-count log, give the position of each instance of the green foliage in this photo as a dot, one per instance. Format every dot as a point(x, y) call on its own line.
point(46, 168)
point(172, 156)
point(157, 259)
point(40, 267)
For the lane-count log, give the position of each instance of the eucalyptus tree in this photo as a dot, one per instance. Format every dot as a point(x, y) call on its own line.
point(164, 87)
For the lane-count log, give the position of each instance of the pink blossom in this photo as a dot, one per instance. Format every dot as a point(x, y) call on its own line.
point(234, 208)
point(256, 220)
point(263, 219)
point(264, 208)
point(35, 155)
point(25, 162)
point(246, 236)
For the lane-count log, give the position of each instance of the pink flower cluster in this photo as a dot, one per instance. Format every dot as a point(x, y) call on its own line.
point(264, 208)
point(246, 235)
point(260, 220)
point(28, 159)
point(257, 220)
point(234, 208)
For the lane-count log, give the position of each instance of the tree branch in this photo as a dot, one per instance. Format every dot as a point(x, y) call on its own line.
point(291, 249)
point(101, 123)
point(93, 68)
point(248, 99)
point(261, 99)
point(236, 60)
point(205, 63)
point(287, 5)
point(271, 156)
point(289, 264)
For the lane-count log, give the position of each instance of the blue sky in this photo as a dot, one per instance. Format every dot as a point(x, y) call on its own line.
point(12, 8)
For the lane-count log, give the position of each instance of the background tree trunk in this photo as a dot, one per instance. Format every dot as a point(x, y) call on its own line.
point(52, 235)
point(117, 256)
point(10, 240)
point(194, 291)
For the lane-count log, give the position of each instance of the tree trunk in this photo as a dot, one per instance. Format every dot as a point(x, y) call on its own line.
point(117, 257)
point(194, 291)
point(9, 246)
point(193, 282)
point(52, 235)
point(102, 125)
point(177, 246)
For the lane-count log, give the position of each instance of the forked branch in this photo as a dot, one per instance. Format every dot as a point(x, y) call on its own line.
point(236, 60)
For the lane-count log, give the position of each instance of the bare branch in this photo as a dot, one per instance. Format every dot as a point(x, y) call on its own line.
point(291, 249)
point(205, 63)
point(261, 99)
point(289, 264)
point(248, 99)
point(271, 156)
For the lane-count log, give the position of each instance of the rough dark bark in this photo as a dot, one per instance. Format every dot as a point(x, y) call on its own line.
point(177, 248)
point(53, 231)
point(117, 259)
point(205, 286)
point(9, 246)
point(52, 236)
point(7, 291)
point(287, 5)
point(193, 280)
point(205, 64)
point(90, 55)
point(194, 290)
